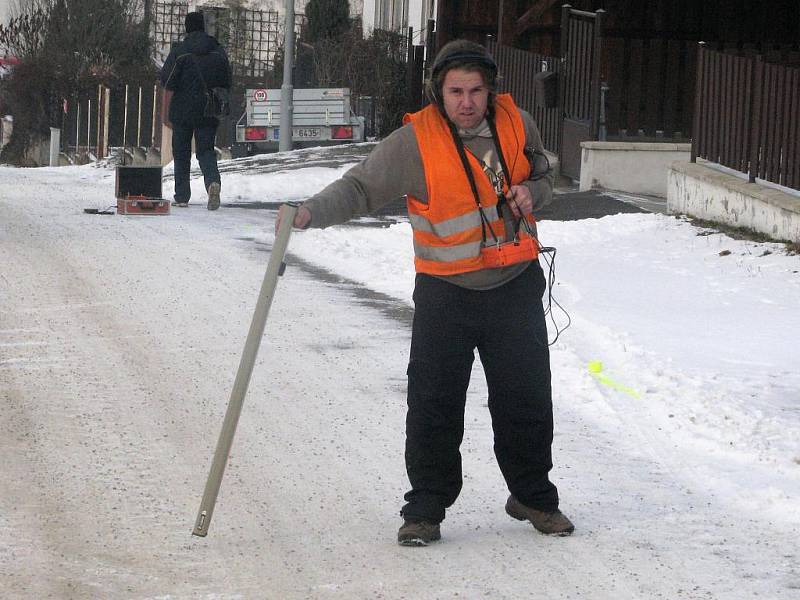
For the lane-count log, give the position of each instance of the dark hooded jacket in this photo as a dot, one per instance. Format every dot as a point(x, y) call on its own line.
point(196, 59)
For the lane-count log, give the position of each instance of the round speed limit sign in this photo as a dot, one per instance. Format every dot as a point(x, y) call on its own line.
point(260, 95)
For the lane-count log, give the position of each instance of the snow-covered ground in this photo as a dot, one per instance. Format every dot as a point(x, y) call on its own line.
point(120, 338)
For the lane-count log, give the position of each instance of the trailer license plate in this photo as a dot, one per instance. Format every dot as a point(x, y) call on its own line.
point(312, 133)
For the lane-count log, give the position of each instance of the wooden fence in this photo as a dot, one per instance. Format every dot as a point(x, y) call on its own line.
point(100, 118)
point(650, 87)
point(517, 70)
point(747, 116)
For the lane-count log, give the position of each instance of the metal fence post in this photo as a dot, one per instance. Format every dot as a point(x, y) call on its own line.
point(755, 119)
point(566, 11)
point(597, 59)
point(699, 96)
point(77, 126)
point(153, 122)
point(125, 126)
point(98, 137)
point(106, 118)
point(139, 120)
point(89, 128)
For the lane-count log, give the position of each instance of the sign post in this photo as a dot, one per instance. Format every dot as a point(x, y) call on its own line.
point(287, 90)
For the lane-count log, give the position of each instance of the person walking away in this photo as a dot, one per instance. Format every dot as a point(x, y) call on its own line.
point(472, 167)
point(194, 66)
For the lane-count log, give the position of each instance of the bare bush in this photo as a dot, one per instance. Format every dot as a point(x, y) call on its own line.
point(373, 68)
point(67, 48)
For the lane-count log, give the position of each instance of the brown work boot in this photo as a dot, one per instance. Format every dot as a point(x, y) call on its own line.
point(550, 523)
point(418, 533)
point(213, 195)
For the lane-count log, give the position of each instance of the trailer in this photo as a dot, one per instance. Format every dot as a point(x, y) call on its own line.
point(320, 117)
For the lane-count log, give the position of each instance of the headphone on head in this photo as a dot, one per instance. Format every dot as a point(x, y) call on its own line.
point(471, 58)
point(466, 56)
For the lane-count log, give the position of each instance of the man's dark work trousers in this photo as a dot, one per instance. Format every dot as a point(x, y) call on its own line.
point(204, 136)
point(507, 326)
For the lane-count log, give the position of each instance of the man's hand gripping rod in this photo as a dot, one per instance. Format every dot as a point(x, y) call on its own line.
point(274, 269)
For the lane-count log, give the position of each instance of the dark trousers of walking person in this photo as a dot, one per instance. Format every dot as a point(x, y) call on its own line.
point(204, 138)
point(507, 326)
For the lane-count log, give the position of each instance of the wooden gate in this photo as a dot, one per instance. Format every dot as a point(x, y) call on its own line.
point(579, 97)
point(577, 116)
point(518, 69)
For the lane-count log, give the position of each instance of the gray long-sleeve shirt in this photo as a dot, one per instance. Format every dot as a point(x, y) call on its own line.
point(394, 169)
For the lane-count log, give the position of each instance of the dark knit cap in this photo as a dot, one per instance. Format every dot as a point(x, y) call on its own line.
point(195, 22)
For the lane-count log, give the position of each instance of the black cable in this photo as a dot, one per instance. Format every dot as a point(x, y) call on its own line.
point(96, 211)
point(543, 250)
point(534, 152)
point(551, 279)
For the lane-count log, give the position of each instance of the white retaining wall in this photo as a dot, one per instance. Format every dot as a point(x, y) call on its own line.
point(632, 167)
point(706, 193)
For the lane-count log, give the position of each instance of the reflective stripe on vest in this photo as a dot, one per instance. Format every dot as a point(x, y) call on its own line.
point(454, 225)
point(447, 229)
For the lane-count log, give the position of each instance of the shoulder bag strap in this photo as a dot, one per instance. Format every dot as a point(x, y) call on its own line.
point(199, 72)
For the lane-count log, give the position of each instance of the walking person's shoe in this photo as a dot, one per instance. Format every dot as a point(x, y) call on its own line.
point(213, 195)
point(181, 203)
point(418, 533)
point(549, 523)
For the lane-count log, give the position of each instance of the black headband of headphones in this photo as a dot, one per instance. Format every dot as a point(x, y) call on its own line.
point(466, 56)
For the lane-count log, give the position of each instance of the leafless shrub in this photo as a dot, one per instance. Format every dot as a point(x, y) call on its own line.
point(66, 48)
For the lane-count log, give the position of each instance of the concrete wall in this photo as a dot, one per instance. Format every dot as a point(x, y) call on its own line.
point(706, 193)
point(633, 167)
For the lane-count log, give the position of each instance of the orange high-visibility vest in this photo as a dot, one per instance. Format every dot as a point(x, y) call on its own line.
point(447, 230)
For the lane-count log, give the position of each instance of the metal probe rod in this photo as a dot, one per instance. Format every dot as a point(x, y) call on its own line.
point(274, 269)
